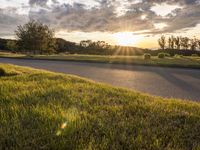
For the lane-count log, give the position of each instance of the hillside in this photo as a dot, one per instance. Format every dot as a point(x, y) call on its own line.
point(45, 110)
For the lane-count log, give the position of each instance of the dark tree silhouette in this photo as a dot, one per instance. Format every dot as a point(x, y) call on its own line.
point(177, 42)
point(171, 42)
point(162, 42)
point(193, 44)
point(35, 37)
point(185, 42)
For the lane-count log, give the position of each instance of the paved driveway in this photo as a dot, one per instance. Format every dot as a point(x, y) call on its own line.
point(165, 82)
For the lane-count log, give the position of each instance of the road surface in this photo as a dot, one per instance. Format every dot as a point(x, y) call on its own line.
point(165, 82)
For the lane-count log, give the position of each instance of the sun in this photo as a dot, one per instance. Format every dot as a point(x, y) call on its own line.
point(125, 38)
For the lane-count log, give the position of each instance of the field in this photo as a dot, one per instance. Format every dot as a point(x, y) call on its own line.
point(187, 62)
point(45, 110)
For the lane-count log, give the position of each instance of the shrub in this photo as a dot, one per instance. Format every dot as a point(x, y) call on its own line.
point(147, 56)
point(178, 56)
point(161, 55)
point(2, 72)
point(29, 55)
point(194, 55)
point(167, 55)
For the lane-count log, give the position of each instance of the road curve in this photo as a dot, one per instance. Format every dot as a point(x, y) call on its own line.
point(165, 82)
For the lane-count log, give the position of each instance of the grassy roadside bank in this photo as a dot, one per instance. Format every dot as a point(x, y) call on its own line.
point(44, 110)
point(184, 62)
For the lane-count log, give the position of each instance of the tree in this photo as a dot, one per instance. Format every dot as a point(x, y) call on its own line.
point(11, 45)
point(65, 46)
point(198, 44)
point(171, 41)
point(35, 37)
point(86, 44)
point(162, 42)
point(177, 42)
point(185, 42)
point(193, 44)
point(99, 45)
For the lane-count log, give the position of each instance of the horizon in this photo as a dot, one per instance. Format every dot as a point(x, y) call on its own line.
point(136, 23)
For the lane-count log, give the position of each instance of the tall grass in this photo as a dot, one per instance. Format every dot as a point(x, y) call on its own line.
point(43, 110)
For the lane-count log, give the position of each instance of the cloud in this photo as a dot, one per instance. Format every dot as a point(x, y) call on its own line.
point(185, 18)
point(103, 18)
point(9, 20)
point(38, 2)
point(106, 15)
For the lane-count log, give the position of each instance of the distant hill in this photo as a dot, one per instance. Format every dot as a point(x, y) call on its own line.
point(95, 48)
point(4, 43)
point(99, 48)
point(65, 46)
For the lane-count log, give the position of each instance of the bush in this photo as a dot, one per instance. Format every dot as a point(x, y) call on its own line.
point(161, 55)
point(147, 56)
point(167, 55)
point(2, 72)
point(195, 55)
point(178, 56)
point(29, 55)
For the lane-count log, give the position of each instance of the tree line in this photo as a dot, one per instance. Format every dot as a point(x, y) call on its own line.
point(178, 43)
point(37, 38)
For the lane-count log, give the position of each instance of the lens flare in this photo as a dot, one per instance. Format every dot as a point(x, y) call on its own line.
point(126, 38)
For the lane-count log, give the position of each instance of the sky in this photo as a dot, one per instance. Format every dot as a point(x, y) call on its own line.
point(136, 23)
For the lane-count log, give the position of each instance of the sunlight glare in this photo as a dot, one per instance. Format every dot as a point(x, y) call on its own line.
point(126, 38)
point(143, 17)
point(160, 25)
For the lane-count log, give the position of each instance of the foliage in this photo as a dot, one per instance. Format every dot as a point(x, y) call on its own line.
point(186, 62)
point(35, 37)
point(194, 55)
point(193, 44)
point(3, 43)
point(162, 42)
point(178, 56)
point(161, 55)
point(43, 110)
point(99, 45)
point(185, 42)
point(12, 45)
point(179, 42)
point(147, 56)
point(167, 55)
point(8, 44)
point(171, 42)
point(65, 46)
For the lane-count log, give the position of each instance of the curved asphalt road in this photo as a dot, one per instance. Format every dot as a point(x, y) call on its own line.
point(165, 82)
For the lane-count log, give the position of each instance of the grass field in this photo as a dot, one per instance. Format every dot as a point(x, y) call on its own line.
point(188, 62)
point(44, 110)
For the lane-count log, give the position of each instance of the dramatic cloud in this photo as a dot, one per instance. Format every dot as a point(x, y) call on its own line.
point(9, 19)
point(38, 2)
point(152, 16)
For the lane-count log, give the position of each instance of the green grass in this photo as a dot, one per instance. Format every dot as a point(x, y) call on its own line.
point(44, 110)
point(186, 62)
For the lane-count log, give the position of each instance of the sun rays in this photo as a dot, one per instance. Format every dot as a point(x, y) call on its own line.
point(126, 38)
point(125, 41)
